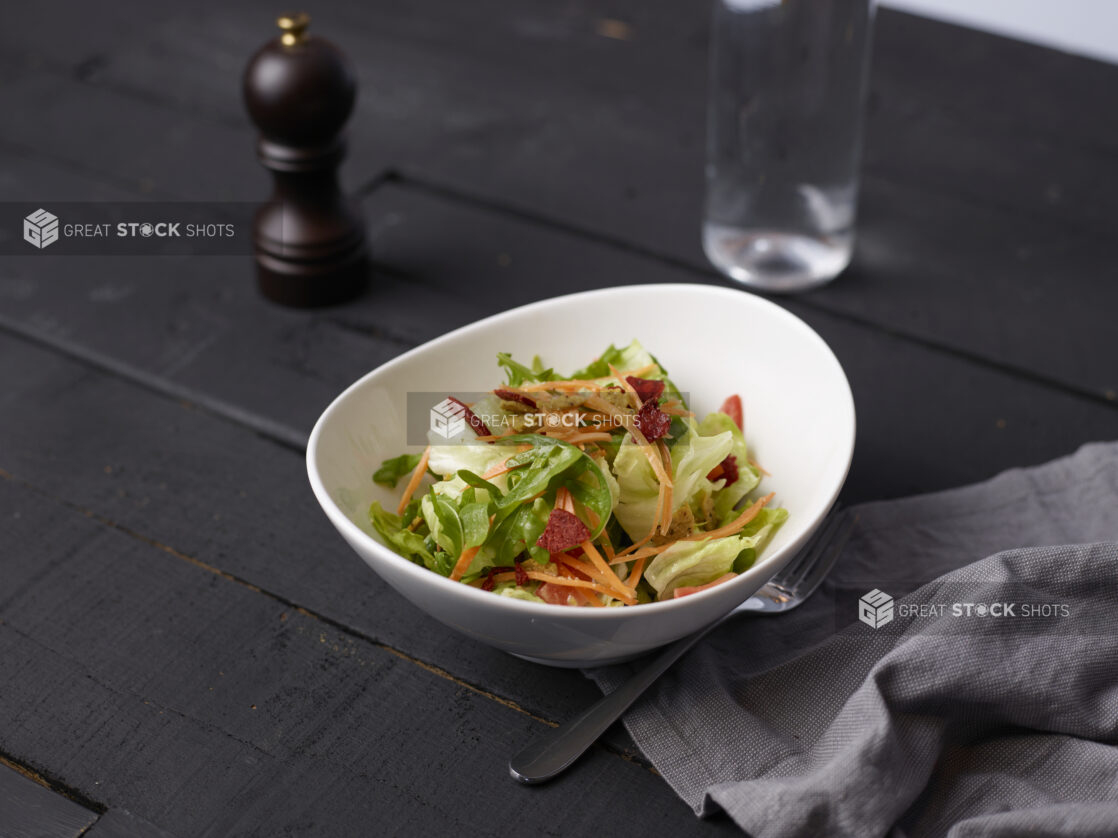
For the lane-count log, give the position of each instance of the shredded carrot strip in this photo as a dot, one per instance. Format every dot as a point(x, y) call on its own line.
point(623, 556)
point(580, 383)
point(666, 515)
point(565, 581)
point(589, 436)
point(463, 562)
point(602, 406)
point(573, 384)
point(633, 395)
point(606, 571)
point(500, 468)
point(635, 573)
point(748, 515)
point(413, 482)
point(610, 581)
point(585, 597)
point(582, 596)
point(607, 545)
point(675, 410)
point(564, 501)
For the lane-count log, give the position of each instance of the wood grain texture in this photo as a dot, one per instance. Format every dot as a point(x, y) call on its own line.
point(995, 192)
point(30, 810)
point(120, 823)
point(259, 719)
point(210, 491)
point(192, 646)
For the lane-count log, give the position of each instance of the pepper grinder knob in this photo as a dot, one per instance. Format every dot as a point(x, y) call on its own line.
point(309, 240)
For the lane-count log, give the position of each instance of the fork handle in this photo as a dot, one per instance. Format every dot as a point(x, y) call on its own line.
point(555, 751)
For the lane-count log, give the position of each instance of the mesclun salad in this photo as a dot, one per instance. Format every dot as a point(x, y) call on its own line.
point(595, 489)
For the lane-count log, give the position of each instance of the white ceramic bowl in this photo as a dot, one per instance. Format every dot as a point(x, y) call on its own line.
point(799, 423)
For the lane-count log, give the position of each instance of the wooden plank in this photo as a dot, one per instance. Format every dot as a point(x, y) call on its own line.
point(120, 823)
point(239, 504)
point(29, 809)
point(215, 493)
point(931, 123)
point(947, 213)
point(205, 707)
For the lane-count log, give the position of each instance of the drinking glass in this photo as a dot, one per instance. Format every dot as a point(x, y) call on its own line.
point(787, 93)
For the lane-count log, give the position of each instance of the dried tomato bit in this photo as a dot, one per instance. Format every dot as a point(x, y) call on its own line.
point(475, 423)
point(490, 581)
point(652, 421)
point(649, 389)
point(522, 578)
point(513, 396)
point(727, 469)
point(564, 530)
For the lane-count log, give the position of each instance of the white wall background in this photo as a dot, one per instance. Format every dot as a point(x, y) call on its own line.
point(1084, 27)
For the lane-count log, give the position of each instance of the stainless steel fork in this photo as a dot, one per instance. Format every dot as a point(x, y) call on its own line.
point(558, 749)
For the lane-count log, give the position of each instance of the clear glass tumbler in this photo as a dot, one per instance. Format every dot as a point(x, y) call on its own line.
point(784, 136)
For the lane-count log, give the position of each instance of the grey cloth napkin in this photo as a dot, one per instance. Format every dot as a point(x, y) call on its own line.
point(936, 723)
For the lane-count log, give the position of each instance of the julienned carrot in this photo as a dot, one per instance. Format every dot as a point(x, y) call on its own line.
point(747, 515)
point(738, 523)
point(573, 384)
point(565, 581)
point(463, 563)
point(634, 397)
point(579, 384)
point(640, 371)
point(635, 573)
point(623, 556)
point(413, 481)
point(589, 436)
point(584, 597)
point(500, 468)
point(666, 515)
point(617, 588)
point(564, 501)
point(677, 411)
point(607, 545)
point(624, 591)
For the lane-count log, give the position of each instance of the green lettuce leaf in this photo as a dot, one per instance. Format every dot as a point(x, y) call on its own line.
point(688, 563)
point(408, 544)
point(549, 464)
point(514, 591)
point(638, 490)
point(449, 459)
point(693, 456)
point(391, 471)
point(757, 534)
point(516, 534)
point(519, 374)
point(726, 498)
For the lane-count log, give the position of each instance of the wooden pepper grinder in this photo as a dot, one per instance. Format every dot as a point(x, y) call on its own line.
point(309, 240)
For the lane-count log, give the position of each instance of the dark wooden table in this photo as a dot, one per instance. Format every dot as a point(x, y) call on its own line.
point(186, 646)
